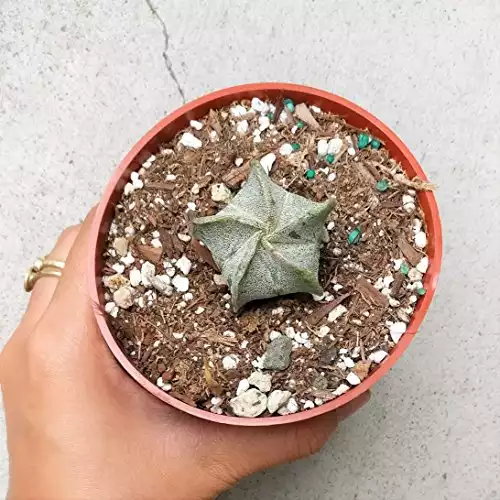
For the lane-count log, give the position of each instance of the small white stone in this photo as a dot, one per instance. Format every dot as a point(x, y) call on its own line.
point(244, 344)
point(161, 283)
point(337, 252)
point(259, 106)
point(219, 280)
point(184, 265)
point(178, 335)
point(128, 189)
point(196, 124)
point(315, 109)
point(294, 129)
point(308, 405)
point(337, 287)
point(129, 231)
point(331, 177)
point(112, 309)
point(128, 259)
point(123, 297)
point(238, 162)
point(277, 399)
point(181, 283)
point(319, 298)
point(118, 268)
point(267, 162)
point(408, 203)
point(229, 333)
point(159, 382)
point(121, 246)
point(167, 387)
point(420, 239)
point(243, 386)
point(353, 379)
point(323, 331)
point(190, 141)
point(242, 127)
point(238, 110)
point(322, 147)
point(378, 356)
point(286, 149)
point(397, 330)
point(135, 277)
point(337, 313)
point(351, 151)
point(388, 280)
point(335, 146)
point(184, 237)
point(414, 275)
point(397, 264)
point(199, 310)
point(191, 206)
point(423, 265)
point(136, 181)
point(413, 299)
point(195, 189)
point(394, 302)
point(260, 380)
point(213, 136)
point(249, 404)
point(221, 193)
point(156, 243)
point(330, 226)
point(348, 362)
point(291, 407)
point(341, 389)
point(170, 177)
point(188, 296)
point(274, 335)
point(264, 123)
point(230, 362)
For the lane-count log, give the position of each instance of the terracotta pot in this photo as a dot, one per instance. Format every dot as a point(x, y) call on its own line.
point(165, 130)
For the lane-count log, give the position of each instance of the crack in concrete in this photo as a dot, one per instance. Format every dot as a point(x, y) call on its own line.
point(166, 57)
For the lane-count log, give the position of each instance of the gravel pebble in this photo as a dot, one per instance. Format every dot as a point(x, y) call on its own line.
point(260, 380)
point(123, 297)
point(278, 354)
point(251, 404)
point(190, 141)
point(181, 283)
point(277, 399)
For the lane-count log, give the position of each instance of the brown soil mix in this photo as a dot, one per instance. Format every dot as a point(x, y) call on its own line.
point(188, 340)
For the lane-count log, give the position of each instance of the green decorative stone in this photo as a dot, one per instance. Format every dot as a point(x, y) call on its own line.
point(354, 236)
point(310, 174)
point(266, 241)
point(289, 105)
point(270, 115)
point(363, 140)
point(382, 185)
point(300, 124)
point(295, 146)
point(421, 291)
point(375, 144)
point(404, 269)
point(330, 158)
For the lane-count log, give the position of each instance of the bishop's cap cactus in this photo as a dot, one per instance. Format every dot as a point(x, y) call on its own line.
point(266, 241)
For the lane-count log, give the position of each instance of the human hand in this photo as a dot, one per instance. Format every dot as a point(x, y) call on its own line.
point(79, 428)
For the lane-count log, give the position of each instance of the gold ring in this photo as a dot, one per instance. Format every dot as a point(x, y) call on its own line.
point(42, 267)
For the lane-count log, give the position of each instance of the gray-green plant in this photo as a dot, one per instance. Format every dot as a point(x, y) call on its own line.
point(267, 240)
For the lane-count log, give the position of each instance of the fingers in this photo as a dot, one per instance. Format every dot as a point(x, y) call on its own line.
point(45, 287)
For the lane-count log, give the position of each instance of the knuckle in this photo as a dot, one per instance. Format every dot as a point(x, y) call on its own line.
point(307, 441)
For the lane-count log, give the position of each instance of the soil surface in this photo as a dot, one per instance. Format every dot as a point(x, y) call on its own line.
point(169, 308)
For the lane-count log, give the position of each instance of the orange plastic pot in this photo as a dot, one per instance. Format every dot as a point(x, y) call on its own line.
point(165, 130)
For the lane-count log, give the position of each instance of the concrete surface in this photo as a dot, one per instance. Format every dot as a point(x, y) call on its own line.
point(81, 80)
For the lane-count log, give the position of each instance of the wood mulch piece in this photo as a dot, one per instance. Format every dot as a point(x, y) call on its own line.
point(184, 337)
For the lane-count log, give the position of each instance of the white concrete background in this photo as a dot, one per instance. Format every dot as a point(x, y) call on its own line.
point(81, 80)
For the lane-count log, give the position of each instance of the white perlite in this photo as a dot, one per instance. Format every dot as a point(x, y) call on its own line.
point(181, 283)
point(230, 362)
point(238, 110)
point(335, 146)
point(260, 380)
point(112, 309)
point(196, 124)
point(264, 123)
point(156, 243)
point(336, 313)
point(420, 239)
point(267, 162)
point(128, 259)
point(341, 389)
point(408, 203)
point(221, 193)
point(323, 331)
point(135, 277)
point(249, 404)
point(277, 399)
point(353, 379)
point(123, 297)
point(322, 147)
point(184, 237)
point(274, 335)
point(121, 246)
point(377, 356)
point(161, 283)
point(259, 106)
point(291, 407)
point(238, 162)
point(423, 265)
point(397, 330)
point(243, 386)
point(286, 149)
point(118, 268)
point(242, 127)
point(190, 141)
point(147, 271)
point(219, 280)
point(184, 265)
point(414, 274)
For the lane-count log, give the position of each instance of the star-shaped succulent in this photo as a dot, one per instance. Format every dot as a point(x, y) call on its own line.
point(267, 240)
